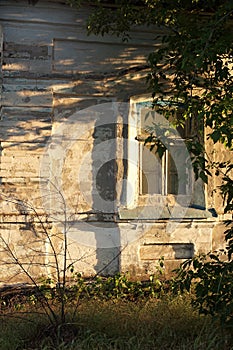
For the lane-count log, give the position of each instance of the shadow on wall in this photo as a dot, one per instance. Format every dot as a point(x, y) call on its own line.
point(104, 171)
point(45, 73)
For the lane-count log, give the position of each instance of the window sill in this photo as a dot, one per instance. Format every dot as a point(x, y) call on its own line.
point(165, 212)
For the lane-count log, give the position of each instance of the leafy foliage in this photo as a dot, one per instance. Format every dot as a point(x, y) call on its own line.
point(211, 280)
point(120, 286)
point(193, 64)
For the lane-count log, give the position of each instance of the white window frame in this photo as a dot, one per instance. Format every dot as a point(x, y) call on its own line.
point(133, 192)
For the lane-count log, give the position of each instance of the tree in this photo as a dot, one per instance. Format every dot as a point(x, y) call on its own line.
point(193, 66)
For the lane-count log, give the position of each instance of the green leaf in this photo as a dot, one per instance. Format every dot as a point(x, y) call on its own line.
point(203, 176)
point(216, 135)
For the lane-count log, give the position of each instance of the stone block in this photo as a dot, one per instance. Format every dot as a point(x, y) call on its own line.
point(168, 251)
point(218, 236)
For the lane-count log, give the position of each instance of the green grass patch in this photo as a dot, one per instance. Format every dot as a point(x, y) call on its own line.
point(165, 323)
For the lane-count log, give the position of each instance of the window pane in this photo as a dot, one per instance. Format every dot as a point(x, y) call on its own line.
point(174, 162)
point(172, 176)
point(151, 171)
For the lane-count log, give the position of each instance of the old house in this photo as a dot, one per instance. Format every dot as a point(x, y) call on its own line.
point(73, 114)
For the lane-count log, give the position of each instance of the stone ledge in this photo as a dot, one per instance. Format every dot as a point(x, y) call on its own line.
point(164, 212)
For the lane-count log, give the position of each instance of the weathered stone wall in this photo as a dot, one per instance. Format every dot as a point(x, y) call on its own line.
point(51, 70)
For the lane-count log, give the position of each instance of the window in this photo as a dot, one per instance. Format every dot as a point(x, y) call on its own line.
point(151, 176)
point(158, 174)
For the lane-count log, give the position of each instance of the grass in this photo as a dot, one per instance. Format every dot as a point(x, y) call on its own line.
point(151, 324)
